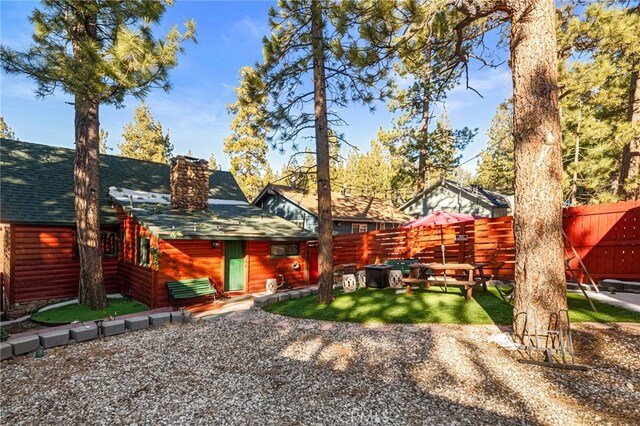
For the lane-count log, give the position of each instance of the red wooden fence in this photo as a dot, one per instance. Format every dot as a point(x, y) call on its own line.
point(606, 236)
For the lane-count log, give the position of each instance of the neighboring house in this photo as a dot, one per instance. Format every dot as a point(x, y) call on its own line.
point(448, 196)
point(145, 240)
point(351, 214)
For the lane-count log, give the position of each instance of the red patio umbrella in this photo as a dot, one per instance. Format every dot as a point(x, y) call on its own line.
point(440, 218)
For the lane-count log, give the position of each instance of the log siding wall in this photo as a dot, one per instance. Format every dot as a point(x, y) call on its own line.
point(41, 263)
point(185, 259)
point(262, 266)
point(44, 264)
point(134, 279)
point(6, 264)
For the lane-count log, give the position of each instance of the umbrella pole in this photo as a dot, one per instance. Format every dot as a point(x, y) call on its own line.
point(444, 271)
point(444, 259)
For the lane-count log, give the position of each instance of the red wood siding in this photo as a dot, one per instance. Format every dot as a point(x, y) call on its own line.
point(262, 266)
point(312, 262)
point(6, 265)
point(137, 281)
point(45, 266)
point(184, 259)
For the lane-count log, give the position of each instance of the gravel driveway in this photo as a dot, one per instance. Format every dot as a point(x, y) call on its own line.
point(259, 368)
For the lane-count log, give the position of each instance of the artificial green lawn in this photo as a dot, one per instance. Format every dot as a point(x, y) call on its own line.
point(433, 306)
point(74, 312)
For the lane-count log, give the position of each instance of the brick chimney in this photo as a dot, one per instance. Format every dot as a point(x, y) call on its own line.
point(189, 183)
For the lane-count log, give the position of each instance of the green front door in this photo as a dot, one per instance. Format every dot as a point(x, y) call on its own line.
point(234, 266)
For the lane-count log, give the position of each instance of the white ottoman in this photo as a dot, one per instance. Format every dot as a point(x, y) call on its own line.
point(349, 284)
point(272, 285)
point(395, 278)
point(362, 279)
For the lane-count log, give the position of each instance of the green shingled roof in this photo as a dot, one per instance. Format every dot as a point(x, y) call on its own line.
point(237, 221)
point(36, 183)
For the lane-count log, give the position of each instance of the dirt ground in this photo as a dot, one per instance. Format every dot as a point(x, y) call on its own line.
point(22, 326)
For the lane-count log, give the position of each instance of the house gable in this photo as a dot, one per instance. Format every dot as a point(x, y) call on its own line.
point(276, 203)
point(448, 196)
point(300, 206)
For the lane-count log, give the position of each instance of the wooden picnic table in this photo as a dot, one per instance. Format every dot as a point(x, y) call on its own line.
point(462, 275)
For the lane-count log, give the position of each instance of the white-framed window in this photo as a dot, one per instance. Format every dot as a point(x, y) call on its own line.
point(380, 226)
point(358, 227)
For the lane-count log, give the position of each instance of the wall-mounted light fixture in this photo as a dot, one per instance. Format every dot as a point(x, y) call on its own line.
point(215, 244)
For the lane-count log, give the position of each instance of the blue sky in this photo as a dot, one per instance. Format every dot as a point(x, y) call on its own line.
point(229, 37)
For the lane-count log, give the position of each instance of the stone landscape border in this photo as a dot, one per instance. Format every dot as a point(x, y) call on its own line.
point(27, 344)
point(88, 331)
point(262, 301)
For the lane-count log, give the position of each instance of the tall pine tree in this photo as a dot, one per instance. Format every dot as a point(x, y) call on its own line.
point(539, 268)
point(495, 171)
point(97, 51)
point(601, 101)
point(427, 61)
point(213, 163)
point(144, 138)
point(310, 72)
point(247, 144)
point(6, 131)
point(103, 136)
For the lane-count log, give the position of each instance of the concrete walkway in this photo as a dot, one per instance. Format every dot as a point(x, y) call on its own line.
point(233, 304)
point(629, 301)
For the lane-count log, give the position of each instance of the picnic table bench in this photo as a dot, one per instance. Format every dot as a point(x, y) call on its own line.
point(436, 273)
point(190, 288)
point(401, 264)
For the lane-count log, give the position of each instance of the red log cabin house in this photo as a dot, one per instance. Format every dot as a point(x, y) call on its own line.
point(160, 223)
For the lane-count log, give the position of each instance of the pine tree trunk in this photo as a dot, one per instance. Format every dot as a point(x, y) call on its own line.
point(629, 182)
point(540, 286)
point(576, 159)
point(424, 140)
point(325, 221)
point(86, 170)
point(424, 129)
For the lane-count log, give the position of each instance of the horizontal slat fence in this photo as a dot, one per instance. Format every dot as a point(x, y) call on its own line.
point(606, 236)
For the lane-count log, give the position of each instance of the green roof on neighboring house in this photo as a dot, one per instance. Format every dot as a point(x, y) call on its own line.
point(36, 183)
point(224, 220)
